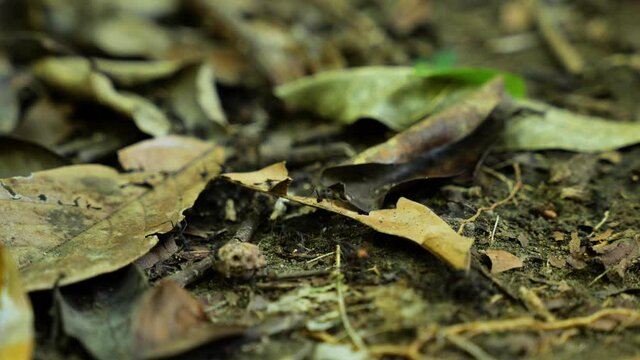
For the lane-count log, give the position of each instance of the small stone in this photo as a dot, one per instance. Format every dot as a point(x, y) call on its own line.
point(240, 259)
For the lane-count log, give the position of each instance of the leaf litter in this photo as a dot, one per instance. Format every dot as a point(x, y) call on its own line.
point(170, 59)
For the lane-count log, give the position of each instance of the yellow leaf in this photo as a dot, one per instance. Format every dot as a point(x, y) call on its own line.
point(72, 223)
point(410, 220)
point(16, 316)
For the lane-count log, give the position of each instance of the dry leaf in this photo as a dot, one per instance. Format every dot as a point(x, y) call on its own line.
point(16, 316)
point(75, 222)
point(409, 219)
point(75, 76)
point(21, 158)
point(171, 321)
point(168, 153)
point(503, 260)
point(445, 144)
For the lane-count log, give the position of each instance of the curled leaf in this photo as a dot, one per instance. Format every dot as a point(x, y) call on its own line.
point(410, 220)
point(74, 76)
point(445, 144)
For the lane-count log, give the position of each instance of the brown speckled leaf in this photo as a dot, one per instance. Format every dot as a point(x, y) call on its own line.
point(503, 260)
point(75, 222)
point(410, 220)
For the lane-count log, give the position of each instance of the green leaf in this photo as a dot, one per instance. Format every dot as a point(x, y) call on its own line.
point(538, 126)
point(396, 96)
point(514, 85)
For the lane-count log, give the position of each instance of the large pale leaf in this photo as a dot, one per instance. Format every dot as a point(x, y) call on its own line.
point(395, 96)
point(16, 316)
point(75, 222)
point(410, 220)
point(538, 126)
point(74, 76)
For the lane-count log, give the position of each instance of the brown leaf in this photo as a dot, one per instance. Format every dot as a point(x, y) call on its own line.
point(503, 260)
point(619, 255)
point(410, 220)
point(171, 321)
point(16, 316)
point(445, 144)
point(75, 222)
point(168, 153)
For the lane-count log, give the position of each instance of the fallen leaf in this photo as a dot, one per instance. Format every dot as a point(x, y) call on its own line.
point(74, 76)
point(537, 126)
point(21, 158)
point(71, 223)
point(9, 106)
point(619, 255)
point(137, 72)
point(394, 96)
point(168, 153)
point(502, 261)
point(193, 98)
point(97, 312)
point(16, 315)
point(410, 220)
point(46, 122)
point(170, 321)
point(129, 36)
point(445, 144)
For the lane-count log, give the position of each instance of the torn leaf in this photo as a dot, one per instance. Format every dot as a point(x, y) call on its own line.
point(410, 220)
point(72, 223)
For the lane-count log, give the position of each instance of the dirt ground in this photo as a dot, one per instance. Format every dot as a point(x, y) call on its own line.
point(399, 297)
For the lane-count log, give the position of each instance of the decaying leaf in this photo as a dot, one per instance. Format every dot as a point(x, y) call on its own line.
point(98, 311)
point(76, 76)
point(71, 223)
point(538, 126)
point(395, 96)
point(16, 316)
point(410, 220)
point(502, 261)
point(21, 158)
point(46, 123)
point(445, 144)
point(617, 256)
point(170, 321)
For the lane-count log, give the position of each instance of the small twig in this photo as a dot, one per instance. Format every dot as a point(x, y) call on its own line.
point(319, 257)
point(342, 308)
point(514, 190)
point(298, 274)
